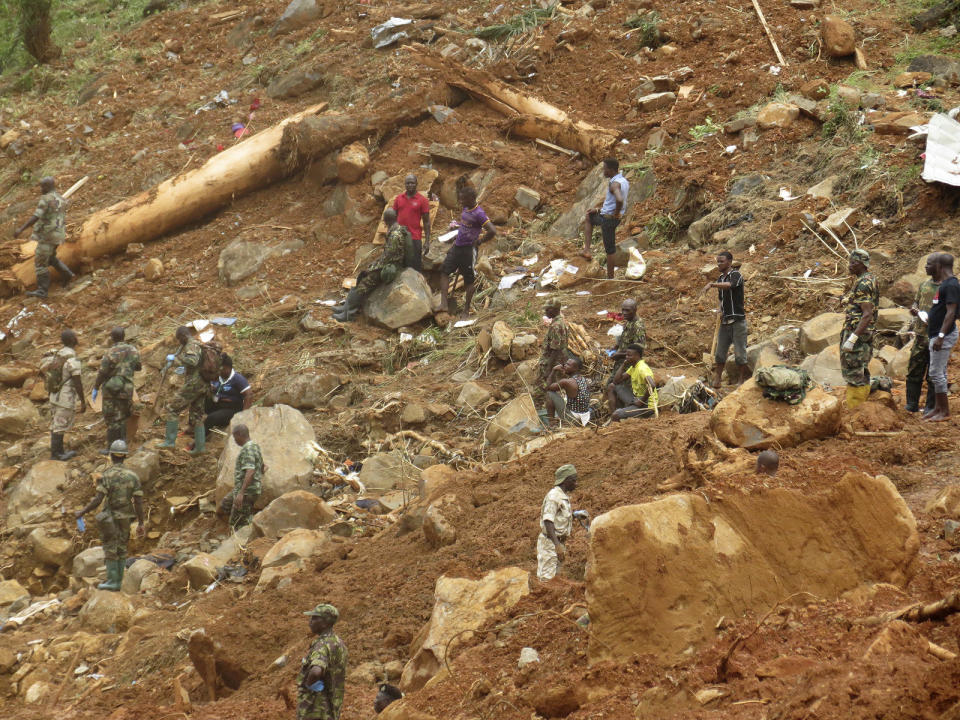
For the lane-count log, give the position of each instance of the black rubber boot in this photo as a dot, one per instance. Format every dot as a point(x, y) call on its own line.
point(43, 285)
point(56, 448)
point(913, 396)
point(350, 308)
point(61, 268)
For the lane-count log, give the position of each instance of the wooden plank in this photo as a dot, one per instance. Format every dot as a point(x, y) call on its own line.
point(556, 148)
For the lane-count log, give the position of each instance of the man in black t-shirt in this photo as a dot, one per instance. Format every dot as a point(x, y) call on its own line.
point(733, 319)
point(231, 394)
point(942, 328)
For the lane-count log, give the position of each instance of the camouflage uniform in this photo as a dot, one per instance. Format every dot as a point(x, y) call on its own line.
point(64, 401)
point(634, 333)
point(49, 231)
point(920, 352)
point(250, 458)
point(116, 381)
point(394, 251)
point(119, 486)
point(328, 652)
point(854, 364)
point(195, 389)
point(554, 348)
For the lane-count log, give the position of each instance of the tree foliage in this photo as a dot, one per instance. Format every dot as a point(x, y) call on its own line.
point(35, 27)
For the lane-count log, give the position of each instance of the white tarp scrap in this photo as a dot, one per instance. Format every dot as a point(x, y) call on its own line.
point(942, 162)
point(390, 32)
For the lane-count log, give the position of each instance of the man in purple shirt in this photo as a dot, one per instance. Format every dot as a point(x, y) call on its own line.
point(461, 257)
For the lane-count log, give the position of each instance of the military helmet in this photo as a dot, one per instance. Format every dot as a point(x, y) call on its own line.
point(118, 447)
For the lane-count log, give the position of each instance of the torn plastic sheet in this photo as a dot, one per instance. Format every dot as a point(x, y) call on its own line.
point(942, 158)
point(390, 32)
point(508, 281)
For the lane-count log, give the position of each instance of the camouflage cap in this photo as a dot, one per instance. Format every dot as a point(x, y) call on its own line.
point(861, 255)
point(326, 611)
point(563, 472)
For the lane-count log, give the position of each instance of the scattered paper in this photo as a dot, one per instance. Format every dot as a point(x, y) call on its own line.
point(785, 194)
point(583, 292)
point(508, 281)
point(775, 69)
point(227, 321)
point(923, 315)
point(572, 269)
point(532, 260)
point(808, 272)
point(464, 323)
point(207, 335)
point(327, 303)
point(448, 236)
point(200, 325)
point(405, 337)
point(602, 312)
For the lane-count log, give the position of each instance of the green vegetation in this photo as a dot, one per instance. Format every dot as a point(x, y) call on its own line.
point(662, 230)
point(707, 129)
point(518, 24)
point(649, 26)
point(906, 175)
point(842, 122)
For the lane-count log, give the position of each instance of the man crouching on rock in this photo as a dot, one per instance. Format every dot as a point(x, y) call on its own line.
point(556, 523)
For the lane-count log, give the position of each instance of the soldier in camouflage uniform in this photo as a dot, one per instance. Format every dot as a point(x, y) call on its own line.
point(247, 473)
point(121, 488)
point(554, 344)
point(192, 395)
point(324, 667)
point(383, 270)
point(920, 352)
point(634, 333)
point(116, 378)
point(50, 231)
point(856, 347)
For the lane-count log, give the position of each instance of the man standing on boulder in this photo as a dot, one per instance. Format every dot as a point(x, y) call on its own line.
point(555, 343)
point(412, 209)
point(116, 378)
point(475, 229)
point(733, 320)
point(942, 329)
point(121, 488)
point(192, 395)
point(381, 272)
point(247, 475)
point(919, 364)
point(50, 231)
point(323, 669)
point(856, 348)
point(556, 523)
point(66, 388)
point(608, 215)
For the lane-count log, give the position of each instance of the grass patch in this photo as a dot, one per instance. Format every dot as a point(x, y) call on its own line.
point(842, 122)
point(707, 129)
point(518, 24)
point(662, 230)
point(649, 26)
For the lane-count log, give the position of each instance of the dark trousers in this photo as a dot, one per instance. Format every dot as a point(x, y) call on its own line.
point(220, 414)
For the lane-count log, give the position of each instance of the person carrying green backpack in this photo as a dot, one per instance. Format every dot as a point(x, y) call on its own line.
point(384, 270)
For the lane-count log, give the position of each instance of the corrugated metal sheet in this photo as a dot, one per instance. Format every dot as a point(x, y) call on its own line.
point(942, 162)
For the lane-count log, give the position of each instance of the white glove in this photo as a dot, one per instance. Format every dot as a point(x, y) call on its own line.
point(851, 341)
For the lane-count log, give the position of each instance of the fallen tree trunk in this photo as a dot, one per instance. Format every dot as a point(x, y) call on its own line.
point(918, 612)
point(254, 163)
point(530, 117)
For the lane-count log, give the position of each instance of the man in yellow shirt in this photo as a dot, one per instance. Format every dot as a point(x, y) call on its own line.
point(639, 397)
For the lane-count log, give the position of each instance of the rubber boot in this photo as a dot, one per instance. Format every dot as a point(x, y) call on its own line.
point(60, 267)
point(114, 571)
point(856, 395)
point(199, 439)
point(56, 448)
point(111, 436)
point(913, 396)
point(350, 308)
point(170, 439)
point(43, 286)
point(745, 374)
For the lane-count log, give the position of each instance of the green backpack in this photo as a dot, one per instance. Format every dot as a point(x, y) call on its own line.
point(781, 382)
point(53, 379)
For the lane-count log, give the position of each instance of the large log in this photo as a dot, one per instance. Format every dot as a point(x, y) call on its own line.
point(529, 116)
point(254, 163)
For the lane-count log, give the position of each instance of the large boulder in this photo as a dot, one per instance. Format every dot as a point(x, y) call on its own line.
point(303, 390)
point(352, 163)
point(15, 375)
point(460, 607)
point(389, 471)
point(290, 511)
point(405, 301)
point(50, 550)
point(17, 414)
point(137, 573)
point(289, 554)
point(660, 575)
point(837, 36)
point(145, 462)
point(89, 563)
point(13, 597)
point(744, 418)
point(296, 82)
point(820, 331)
point(893, 318)
point(286, 440)
point(107, 611)
point(516, 421)
point(590, 194)
point(824, 367)
point(501, 338)
point(201, 570)
point(32, 498)
point(241, 259)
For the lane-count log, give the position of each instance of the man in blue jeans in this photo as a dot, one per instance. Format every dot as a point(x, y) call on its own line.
point(942, 328)
point(608, 215)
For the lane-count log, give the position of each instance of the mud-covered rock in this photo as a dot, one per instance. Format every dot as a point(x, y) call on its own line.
point(201, 570)
point(32, 498)
point(744, 418)
point(824, 367)
point(405, 301)
point(107, 612)
point(437, 528)
point(13, 597)
point(946, 503)
point(290, 553)
point(820, 331)
point(501, 338)
point(50, 549)
point(134, 576)
point(434, 479)
point(837, 36)
point(688, 561)
point(777, 115)
point(89, 563)
point(286, 440)
point(516, 421)
point(303, 390)
point(17, 415)
point(473, 395)
point(15, 375)
point(352, 163)
point(290, 511)
point(461, 606)
point(389, 471)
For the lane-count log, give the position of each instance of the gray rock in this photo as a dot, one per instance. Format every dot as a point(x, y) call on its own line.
point(134, 575)
point(292, 510)
point(405, 301)
point(303, 390)
point(937, 65)
point(89, 563)
point(299, 13)
point(338, 202)
point(528, 198)
point(50, 549)
point(145, 462)
point(590, 194)
point(17, 414)
point(32, 498)
point(516, 421)
point(13, 597)
point(296, 83)
point(472, 395)
point(241, 259)
point(655, 101)
point(389, 471)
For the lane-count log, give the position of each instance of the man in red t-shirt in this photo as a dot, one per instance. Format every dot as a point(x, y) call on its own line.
point(412, 209)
